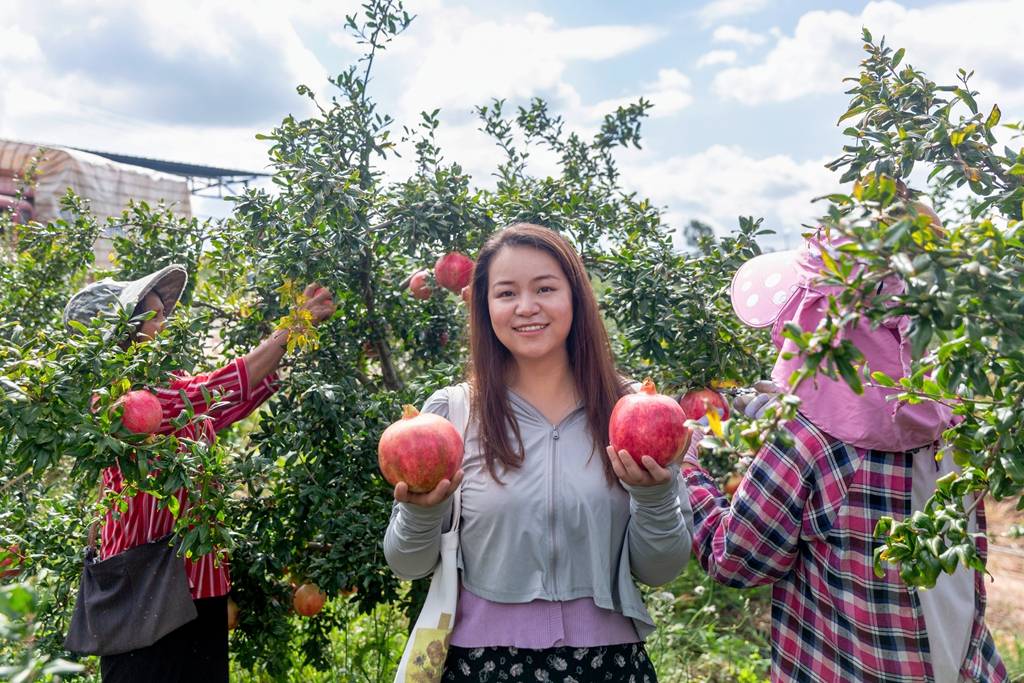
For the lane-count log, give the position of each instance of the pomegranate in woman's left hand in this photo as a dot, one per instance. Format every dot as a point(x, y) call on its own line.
point(649, 423)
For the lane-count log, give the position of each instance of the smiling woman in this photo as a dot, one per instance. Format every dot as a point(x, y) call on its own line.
point(530, 305)
point(554, 533)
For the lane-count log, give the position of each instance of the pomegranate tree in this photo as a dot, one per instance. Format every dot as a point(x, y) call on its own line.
point(453, 271)
point(421, 449)
point(649, 423)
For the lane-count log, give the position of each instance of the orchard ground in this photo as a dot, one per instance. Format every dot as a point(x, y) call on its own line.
point(1006, 589)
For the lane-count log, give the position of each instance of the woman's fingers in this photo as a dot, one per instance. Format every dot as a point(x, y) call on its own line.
point(655, 471)
point(631, 466)
point(456, 482)
point(439, 494)
point(767, 386)
point(633, 473)
point(319, 302)
point(647, 472)
point(613, 457)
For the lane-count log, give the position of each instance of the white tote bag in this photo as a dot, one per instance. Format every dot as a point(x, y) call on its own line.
point(425, 653)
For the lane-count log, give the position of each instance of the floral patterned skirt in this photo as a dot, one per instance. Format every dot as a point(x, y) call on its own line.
point(617, 663)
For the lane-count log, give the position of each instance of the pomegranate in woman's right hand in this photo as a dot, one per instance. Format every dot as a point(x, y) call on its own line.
point(421, 449)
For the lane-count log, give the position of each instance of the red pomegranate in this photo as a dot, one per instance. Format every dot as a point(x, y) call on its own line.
point(142, 412)
point(419, 449)
point(232, 615)
point(453, 271)
point(697, 403)
point(308, 599)
point(648, 423)
point(418, 284)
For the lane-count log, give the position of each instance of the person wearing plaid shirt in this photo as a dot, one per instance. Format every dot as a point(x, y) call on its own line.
point(803, 516)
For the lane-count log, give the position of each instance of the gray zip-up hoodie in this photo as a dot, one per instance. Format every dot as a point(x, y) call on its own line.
point(555, 530)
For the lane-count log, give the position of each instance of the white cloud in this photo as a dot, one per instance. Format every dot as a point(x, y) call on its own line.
point(723, 182)
point(195, 81)
point(669, 95)
point(17, 47)
point(825, 47)
point(717, 10)
point(459, 59)
point(716, 57)
point(734, 34)
point(187, 81)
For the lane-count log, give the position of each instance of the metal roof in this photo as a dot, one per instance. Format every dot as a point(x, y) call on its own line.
point(176, 167)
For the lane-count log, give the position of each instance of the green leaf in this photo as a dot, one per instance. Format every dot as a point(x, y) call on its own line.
point(994, 116)
point(851, 113)
point(968, 99)
point(830, 262)
point(882, 379)
point(898, 57)
point(174, 506)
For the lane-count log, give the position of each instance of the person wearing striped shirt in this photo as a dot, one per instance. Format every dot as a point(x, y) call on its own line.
point(197, 651)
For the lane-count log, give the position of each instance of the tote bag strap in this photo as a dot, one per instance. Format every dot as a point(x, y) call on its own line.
point(425, 651)
point(458, 415)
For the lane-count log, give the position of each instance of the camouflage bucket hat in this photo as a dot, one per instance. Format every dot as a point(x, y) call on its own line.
point(106, 295)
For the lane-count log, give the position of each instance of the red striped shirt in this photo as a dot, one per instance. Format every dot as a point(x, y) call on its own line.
point(144, 520)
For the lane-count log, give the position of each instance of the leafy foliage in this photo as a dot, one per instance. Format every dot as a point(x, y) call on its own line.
point(963, 292)
point(294, 491)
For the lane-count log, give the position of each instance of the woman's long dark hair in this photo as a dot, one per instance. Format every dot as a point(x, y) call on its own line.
point(590, 356)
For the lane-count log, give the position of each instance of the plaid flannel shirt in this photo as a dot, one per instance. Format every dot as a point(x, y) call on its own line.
point(803, 520)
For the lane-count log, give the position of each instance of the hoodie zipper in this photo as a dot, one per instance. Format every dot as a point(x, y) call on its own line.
point(555, 435)
point(554, 537)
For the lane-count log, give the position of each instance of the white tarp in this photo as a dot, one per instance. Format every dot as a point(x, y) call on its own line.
point(108, 185)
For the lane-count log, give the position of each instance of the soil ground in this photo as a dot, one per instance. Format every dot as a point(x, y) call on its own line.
point(1005, 614)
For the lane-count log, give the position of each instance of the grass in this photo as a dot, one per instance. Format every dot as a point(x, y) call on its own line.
point(1011, 648)
point(706, 633)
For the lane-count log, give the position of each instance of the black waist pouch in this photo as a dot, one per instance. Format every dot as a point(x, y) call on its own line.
point(131, 600)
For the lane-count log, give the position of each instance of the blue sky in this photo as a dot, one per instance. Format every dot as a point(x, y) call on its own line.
point(746, 92)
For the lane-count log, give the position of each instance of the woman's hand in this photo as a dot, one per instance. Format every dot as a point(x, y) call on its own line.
point(441, 492)
point(266, 357)
point(319, 302)
point(630, 472)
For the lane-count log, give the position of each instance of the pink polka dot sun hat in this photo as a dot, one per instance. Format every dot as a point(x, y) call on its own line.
point(763, 286)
